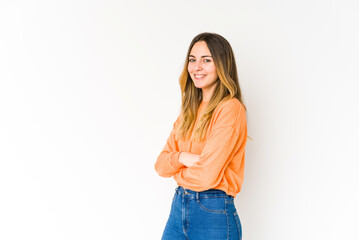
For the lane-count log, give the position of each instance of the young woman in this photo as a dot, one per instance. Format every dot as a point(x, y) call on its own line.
point(206, 148)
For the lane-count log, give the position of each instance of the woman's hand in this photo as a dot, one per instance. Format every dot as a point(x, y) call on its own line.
point(188, 158)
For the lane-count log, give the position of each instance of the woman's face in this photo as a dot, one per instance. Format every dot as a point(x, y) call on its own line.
point(201, 68)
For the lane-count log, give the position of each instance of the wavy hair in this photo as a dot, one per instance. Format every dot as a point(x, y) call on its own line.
point(226, 88)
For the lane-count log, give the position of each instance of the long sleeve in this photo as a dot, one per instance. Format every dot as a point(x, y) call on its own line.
point(167, 163)
point(224, 141)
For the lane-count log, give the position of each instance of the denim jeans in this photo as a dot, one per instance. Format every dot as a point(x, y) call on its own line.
point(207, 215)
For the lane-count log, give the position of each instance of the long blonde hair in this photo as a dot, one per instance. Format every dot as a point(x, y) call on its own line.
point(227, 87)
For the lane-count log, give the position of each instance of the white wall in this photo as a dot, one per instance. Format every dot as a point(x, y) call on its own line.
point(89, 92)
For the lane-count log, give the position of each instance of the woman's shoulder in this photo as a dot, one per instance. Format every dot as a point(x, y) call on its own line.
point(232, 104)
point(229, 113)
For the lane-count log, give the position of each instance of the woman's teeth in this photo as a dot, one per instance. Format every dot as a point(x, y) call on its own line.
point(199, 76)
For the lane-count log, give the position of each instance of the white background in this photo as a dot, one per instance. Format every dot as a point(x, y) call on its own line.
point(89, 92)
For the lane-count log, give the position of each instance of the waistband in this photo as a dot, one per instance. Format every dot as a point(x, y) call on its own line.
point(211, 193)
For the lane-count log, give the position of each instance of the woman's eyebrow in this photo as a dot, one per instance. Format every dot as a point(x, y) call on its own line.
point(201, 57)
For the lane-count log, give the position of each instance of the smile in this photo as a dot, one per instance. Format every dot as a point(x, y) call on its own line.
point(199, 76)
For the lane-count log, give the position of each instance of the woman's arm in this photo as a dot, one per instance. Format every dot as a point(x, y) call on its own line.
point(188, 158)
point(171, 160)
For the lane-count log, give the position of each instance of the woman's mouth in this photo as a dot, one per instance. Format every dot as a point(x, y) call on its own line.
point(199, 76)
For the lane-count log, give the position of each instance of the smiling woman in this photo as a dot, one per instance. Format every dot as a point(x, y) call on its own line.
point(206, 148)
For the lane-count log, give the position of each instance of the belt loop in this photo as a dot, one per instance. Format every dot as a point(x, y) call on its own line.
point(197, 196)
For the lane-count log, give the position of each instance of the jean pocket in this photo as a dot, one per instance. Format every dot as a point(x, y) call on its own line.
point(239, 226)
point(213, 205)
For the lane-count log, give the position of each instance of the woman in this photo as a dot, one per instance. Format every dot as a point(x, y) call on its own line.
point(206, 148)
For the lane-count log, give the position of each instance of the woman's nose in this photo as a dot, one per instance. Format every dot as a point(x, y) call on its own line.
point(198, 65)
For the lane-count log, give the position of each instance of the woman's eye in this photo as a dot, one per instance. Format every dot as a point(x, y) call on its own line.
point(206, 60)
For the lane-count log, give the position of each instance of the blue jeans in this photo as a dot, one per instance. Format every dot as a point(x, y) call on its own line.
point(207, 215)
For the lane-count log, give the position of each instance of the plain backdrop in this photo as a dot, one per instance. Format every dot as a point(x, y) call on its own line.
point(89, 93)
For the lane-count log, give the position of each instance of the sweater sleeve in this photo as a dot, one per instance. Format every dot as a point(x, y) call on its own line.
point(221, 145)
point(167, 163)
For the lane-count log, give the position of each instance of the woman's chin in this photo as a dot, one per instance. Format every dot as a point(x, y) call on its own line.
point(198, 85)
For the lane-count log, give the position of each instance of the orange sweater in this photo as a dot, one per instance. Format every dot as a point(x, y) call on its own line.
point(222, 153)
